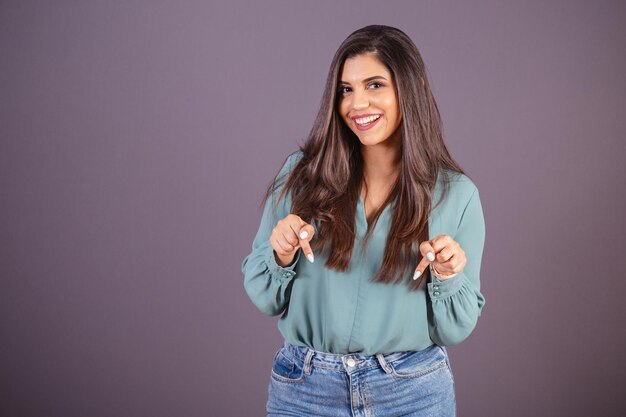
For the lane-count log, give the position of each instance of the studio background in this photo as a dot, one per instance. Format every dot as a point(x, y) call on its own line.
point(137, 139)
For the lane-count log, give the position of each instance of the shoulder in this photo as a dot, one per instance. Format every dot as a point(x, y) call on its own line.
point(460, 187)
point(283, 175)
point(448, 214)
point(294, 158)
point(290, 162)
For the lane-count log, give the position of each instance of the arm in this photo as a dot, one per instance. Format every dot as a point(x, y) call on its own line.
point(267, 283)
point(457, 302)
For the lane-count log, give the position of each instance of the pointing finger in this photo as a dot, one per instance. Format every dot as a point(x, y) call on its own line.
point(420, 268)
point(305, 234)
point(428, 254)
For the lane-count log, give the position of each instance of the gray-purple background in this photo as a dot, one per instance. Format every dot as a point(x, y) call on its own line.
point(136, 141)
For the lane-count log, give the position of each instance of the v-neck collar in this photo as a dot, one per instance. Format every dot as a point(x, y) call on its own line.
point(362, 217)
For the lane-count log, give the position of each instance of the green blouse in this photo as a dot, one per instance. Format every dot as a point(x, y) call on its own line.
point(346, 312)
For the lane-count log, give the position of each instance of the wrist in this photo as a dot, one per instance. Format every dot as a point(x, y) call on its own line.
point(439, 275)
point(284, 261)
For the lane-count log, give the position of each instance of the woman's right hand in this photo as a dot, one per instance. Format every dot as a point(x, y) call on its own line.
point(289, 235)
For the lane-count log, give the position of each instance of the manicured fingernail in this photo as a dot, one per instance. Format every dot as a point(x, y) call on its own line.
point(303, 235)
point(430, 256)
point(310, 257)
point(417, 274)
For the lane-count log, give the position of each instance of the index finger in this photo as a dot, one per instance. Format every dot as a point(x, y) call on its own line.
point(428, 255)
point(305, 233)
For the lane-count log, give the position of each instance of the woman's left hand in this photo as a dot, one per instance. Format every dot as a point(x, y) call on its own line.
point(445, 254)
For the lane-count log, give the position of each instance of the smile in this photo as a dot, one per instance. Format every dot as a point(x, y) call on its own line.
point(365, 123)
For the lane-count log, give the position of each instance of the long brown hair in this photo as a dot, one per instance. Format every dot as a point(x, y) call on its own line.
point(326, 182)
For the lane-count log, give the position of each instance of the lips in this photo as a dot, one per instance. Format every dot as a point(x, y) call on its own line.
point(366, 121)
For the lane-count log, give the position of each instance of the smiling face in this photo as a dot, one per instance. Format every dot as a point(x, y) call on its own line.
point(368, 103)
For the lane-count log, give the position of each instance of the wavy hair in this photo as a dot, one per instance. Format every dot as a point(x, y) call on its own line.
point(326, 182)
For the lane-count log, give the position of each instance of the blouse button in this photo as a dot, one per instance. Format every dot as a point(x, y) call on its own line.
point(436, 293)
point(350, 362)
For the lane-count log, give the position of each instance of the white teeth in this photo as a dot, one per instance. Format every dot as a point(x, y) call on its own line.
point(366, 120)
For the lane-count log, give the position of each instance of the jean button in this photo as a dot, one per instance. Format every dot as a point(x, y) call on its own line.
point(350, 362)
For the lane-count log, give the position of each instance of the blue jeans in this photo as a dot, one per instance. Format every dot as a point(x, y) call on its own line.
point(305, 382)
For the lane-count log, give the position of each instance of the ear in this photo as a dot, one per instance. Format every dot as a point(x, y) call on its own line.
point(423, 82)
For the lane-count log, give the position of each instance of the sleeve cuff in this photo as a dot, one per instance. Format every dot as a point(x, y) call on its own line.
point(439, 289)
point(276, 270)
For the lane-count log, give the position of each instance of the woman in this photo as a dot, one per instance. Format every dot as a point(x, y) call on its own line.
point(393, 232)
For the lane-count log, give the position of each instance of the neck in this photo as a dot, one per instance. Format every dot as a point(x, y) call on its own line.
point(380, 162)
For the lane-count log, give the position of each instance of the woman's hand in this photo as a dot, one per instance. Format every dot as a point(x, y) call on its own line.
point(446, 255)
point(290, 234)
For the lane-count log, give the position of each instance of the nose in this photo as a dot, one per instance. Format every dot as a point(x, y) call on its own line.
point(360, 100)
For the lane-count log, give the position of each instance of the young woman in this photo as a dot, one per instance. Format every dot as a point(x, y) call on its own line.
point(369, 246)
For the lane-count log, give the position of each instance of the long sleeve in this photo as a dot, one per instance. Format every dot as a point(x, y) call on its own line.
point(457, 302)
point(267, 283)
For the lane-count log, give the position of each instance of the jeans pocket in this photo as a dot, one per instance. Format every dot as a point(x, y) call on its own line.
point(287, 368)
point(445, 351)
point(418, 364)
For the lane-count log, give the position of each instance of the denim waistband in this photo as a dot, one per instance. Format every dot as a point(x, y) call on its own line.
point(347, 361)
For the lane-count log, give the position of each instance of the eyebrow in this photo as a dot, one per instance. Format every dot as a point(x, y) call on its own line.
point(367, 80)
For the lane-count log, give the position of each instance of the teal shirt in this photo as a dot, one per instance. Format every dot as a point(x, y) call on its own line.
point(346, 312)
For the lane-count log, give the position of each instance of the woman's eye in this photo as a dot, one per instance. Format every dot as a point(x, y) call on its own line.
point(375, 85)
point(344, 89)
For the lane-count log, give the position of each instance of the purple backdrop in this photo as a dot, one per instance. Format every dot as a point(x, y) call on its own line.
point(137, 139)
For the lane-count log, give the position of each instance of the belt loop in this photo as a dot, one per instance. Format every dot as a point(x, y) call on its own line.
point(383, 363)
point(307, 362)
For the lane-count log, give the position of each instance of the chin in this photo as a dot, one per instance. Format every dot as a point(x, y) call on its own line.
point(369, 143)
point(365, 141)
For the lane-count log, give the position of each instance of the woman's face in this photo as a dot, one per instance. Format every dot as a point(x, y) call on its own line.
point(368, 103)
